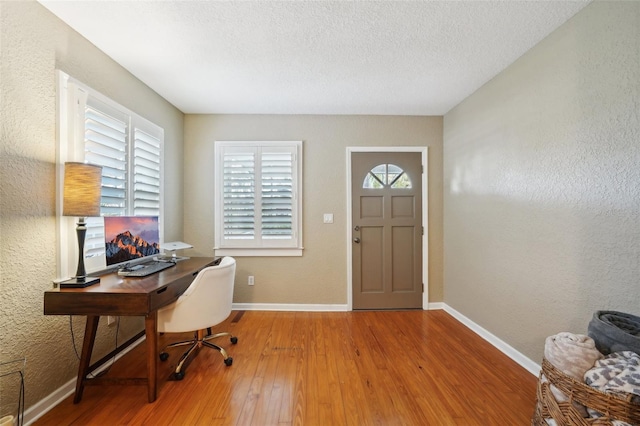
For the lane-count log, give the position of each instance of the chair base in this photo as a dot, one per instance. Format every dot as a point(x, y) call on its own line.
point(197, 342)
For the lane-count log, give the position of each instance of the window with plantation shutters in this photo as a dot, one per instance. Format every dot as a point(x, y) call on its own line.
point(128, 148)
point(96, 130)
point(258, 198)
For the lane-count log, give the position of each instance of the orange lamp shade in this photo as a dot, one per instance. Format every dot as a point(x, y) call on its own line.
point(81, 196)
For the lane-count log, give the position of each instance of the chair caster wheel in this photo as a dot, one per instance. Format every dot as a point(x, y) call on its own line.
point(179, 376)
point(228, 361)
point(234, 340)
point(164, 356)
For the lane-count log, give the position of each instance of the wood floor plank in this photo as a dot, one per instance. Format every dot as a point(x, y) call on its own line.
point(271, 395)
point(300, 348)
point(322, 368)
point(335, 397)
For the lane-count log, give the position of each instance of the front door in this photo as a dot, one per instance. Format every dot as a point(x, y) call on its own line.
point(386, 190)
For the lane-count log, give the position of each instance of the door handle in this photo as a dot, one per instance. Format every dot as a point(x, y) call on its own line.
point(356, 240)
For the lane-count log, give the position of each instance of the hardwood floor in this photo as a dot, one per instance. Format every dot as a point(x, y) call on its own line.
point(316, 368)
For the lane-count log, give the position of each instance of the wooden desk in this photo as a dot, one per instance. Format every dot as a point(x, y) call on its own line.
point(124, 296)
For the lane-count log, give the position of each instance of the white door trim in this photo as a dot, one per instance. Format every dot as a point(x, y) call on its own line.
point(425, 216)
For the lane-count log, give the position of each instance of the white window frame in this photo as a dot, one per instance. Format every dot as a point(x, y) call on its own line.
point(257, 246)
point(72, 96)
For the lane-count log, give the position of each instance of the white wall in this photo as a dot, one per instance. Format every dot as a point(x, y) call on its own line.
point(542, 184)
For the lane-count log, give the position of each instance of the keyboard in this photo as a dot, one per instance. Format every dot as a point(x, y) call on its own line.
point(145, 270)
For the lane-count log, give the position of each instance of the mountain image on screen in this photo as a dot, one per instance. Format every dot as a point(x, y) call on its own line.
point(126, 246)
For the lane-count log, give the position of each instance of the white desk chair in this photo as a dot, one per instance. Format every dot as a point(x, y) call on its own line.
point(206, 303)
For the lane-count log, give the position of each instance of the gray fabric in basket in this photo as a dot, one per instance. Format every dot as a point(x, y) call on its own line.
point(615, 331)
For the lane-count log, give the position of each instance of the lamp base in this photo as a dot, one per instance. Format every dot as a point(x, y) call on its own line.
point(79, 282)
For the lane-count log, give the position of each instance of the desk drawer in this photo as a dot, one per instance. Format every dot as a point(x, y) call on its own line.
point(78, 303)
point(169, 293)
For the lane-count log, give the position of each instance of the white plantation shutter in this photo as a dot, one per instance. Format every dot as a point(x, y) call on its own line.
point(105, 145)
point(146, 174)
point(239, 195)
point(258, 201)
point(277, 195)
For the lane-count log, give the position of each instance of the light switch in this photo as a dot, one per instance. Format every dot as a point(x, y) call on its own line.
point(328, 218)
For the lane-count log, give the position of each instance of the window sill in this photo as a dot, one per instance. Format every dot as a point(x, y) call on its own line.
point(258, 252)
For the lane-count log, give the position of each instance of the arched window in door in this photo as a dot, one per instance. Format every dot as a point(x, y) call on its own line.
point(386, 176)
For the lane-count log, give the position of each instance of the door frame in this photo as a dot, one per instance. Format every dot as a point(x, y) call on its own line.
point(425, 216)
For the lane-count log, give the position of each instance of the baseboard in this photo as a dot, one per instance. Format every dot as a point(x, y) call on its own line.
point(500, 344)
point(435, 306)
point(291, 307)
point(38, 409)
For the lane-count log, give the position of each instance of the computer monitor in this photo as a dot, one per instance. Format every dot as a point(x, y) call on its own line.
point(128, 239)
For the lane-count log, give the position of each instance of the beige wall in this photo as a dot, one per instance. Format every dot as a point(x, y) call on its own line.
point(33, 44)
point(320, 275)
point(542, 184)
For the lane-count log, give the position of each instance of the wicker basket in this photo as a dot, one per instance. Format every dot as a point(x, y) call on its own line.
point(613, 407)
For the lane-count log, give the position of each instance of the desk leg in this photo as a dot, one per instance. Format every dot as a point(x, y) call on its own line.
point(85, 358)
point(151, 331)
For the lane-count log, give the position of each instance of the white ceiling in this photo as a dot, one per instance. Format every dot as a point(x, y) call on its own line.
point(315, 57)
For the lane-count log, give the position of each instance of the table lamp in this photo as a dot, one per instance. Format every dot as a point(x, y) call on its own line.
point(81, 198)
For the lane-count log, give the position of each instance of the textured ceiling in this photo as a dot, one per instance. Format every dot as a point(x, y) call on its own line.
point(315, 57)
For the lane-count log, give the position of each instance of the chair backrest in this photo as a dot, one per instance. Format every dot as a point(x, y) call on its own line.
point(207, 301)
